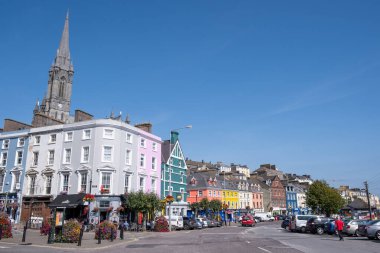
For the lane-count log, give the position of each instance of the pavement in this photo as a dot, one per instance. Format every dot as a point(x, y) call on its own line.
point(34, 238)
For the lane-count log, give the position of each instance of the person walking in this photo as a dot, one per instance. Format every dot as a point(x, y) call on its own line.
point(339, 228)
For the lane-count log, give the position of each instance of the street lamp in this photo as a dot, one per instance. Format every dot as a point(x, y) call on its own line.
point(170, 171)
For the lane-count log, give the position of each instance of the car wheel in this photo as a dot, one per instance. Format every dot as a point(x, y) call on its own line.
point(320, 231)
point(286, 227)
point(356, 233)
point(303, 229)
point(377, 235)
point(186, 227)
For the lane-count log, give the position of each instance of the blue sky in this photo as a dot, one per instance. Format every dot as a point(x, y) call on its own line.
point(291, 83)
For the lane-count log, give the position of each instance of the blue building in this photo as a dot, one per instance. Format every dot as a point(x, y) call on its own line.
point(291, 199)
point(13, 152)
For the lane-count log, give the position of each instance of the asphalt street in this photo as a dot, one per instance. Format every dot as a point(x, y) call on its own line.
point(266, 237)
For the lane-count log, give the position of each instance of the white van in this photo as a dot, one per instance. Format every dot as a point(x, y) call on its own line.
point(176, 221)
point(265, 216)
point(298, 222)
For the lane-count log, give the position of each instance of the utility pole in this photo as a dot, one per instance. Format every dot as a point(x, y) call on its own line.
point(369, 202)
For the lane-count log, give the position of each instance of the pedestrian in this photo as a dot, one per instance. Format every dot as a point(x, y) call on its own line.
point(339, 228)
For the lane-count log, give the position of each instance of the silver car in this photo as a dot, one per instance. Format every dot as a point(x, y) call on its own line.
point(373, 230)
point(351, 227)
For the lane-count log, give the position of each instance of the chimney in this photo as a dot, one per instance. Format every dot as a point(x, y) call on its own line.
point(147, 127)
point(174, 136)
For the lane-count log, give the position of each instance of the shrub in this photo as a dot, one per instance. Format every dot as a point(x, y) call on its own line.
point(161, 224)
point(45, 229)
point(71, 231)
point(105, 230)
point(6, 226)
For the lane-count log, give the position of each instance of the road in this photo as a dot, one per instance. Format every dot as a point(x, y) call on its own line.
point(266, 237)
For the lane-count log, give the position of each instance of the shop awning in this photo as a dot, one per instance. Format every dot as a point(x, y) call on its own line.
point(67, 201)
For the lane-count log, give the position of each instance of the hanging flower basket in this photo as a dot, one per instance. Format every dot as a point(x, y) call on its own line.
point(89, 198)
point(169, 199)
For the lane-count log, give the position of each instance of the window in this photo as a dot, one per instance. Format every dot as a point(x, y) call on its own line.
point(2, 177)
point(86, 134)
point(126, 183)
point(4, 157)
point(142, 182)
point(106, 181)
point(129, 138)
point(16, 181)
point(104, 204)
point(50, 157)
point(5, 144)
point(21, 142)
point(154, 147)
point(48, 184)
point(37, 140)
point(153, 184)
point(32, 185)
point(142, 142)
point(108, 133)
point(83, 182)
point(35, 158)
point(200, 193)
point(154, 165)
point(67, 155)
point(142, 160)
point(53, 138)
point(18, 157)
point(85, 154)
point(65, 182)
point(69, 136)
point(128, 157)
point(107, 154)
point(209, 193)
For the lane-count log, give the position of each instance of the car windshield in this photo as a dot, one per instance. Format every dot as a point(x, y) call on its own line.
point(371, 222)
point(246, 218)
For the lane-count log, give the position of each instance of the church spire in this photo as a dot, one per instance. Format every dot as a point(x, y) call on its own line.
point(62, 59)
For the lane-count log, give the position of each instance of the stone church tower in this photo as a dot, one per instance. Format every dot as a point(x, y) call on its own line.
point(55, 107)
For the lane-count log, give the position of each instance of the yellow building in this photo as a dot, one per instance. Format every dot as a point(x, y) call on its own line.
point(231, 198)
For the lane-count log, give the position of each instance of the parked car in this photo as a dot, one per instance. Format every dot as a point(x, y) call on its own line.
point(298, 222)
point(210, 223)
point(362, 228)
point(198, 224)
point(280, 217)
point(257, 219)
point(351, 227)
point(248, 220)
point(373, 230)
point(285, 224)
point(318, 225)
point(189, 223)
point(203, 221)
point(176, 222)
point(265, 216)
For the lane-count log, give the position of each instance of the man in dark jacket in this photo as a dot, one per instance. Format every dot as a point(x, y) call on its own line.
point(339, 227)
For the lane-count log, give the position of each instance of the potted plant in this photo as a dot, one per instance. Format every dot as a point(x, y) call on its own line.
point(88, 198)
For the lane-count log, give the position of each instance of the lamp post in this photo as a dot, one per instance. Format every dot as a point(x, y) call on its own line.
point(170, 171)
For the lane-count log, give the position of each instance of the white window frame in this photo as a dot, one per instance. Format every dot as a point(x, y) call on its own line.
point(37, 140)
point(2, 179)
point(128, 157)
point(65, 188)
point(69, 136)
point(50, 157)
point(82, 156)
point(36, 155)
point(103, 153)
point(154, 146)
point(81, 185)
point(153, 184)
point(16, 178)
point(67, 151)
point(53, 138)
point(32, 184)
point(101, 181)
point(19, 158)
point(21, 142)
point(86, 136)
point(4, 161)
point(142, 187)
point(142, 142)
point(142, 161)
point(154, 163)
point(127, 182)
point(48, 184)
point(5, 144)
point(129, 138)
point(109, 133)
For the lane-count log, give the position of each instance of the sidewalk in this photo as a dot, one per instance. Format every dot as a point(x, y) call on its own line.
point(33, 237)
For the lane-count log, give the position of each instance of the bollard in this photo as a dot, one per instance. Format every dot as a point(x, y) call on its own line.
point(1, 231)
point(121, 233)
point(80, 236)
point(111, 234)
point(24, 234)
point(49, 236)
point(99, 236)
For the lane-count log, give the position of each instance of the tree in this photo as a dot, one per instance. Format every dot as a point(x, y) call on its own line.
point(204, 205)
point(215, 205)
point(323, 199)
point(195, 207)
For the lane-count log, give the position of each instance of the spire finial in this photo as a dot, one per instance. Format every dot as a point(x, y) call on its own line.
point(63, 53)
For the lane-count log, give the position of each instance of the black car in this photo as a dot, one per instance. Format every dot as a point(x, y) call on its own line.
point(189, 223)
point(318, 225)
